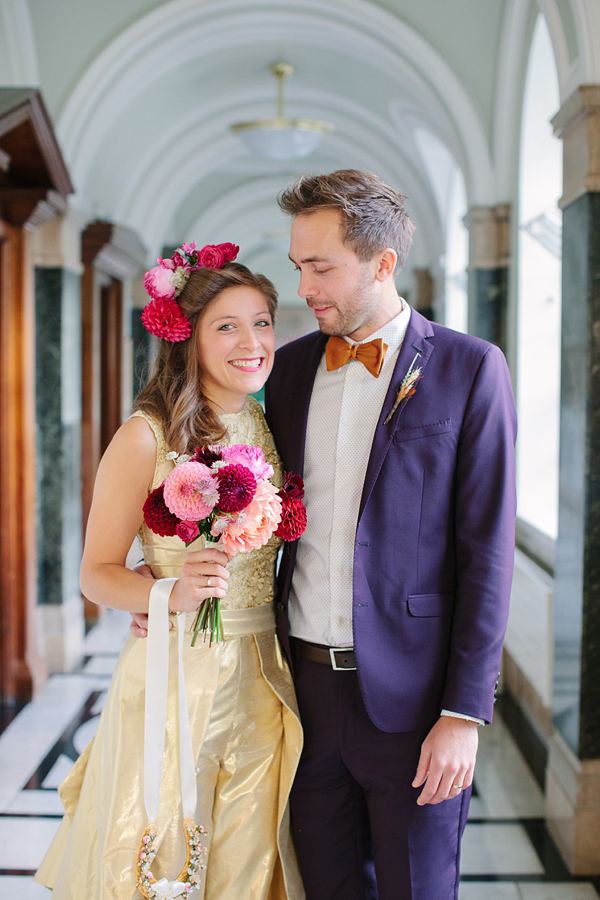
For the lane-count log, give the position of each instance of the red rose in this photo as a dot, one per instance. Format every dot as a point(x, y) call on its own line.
point(211, 257)
point(230, 251)
point(187, 531)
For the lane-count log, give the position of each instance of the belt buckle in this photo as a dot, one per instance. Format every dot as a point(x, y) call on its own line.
point(334, 665)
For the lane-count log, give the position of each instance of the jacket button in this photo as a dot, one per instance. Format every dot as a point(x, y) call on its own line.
point(280, 607)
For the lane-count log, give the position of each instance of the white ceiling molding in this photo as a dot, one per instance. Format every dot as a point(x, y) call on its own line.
point(570, 72)
point(587, 22)
point(18, 57)
point(585, 68)
point(171, 35)
point(512, 64)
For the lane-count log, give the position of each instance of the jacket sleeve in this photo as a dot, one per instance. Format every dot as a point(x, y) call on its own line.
point(485, 510)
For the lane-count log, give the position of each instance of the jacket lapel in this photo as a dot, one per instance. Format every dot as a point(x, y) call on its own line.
point(418, 348)
point(304, 380)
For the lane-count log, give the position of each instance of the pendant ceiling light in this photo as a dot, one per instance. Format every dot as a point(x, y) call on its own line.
point(279, 137)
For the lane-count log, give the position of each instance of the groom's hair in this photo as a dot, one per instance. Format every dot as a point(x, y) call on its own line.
point(373, 213)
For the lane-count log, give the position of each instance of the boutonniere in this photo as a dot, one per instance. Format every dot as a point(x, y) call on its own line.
point(408, 386)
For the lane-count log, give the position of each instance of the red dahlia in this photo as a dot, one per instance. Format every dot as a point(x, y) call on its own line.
point(166, 320)
point(207, 455)
point(237, 487)
point(293, 518)
point(157, 516)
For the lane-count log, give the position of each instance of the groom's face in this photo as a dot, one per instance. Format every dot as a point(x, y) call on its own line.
point(342, 291)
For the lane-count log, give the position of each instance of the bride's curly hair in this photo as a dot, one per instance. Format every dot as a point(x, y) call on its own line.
point(173, 394)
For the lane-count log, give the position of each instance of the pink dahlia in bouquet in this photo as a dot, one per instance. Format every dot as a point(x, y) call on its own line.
point(225, 494)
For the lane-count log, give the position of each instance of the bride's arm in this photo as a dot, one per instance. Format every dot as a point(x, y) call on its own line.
point(122, 483)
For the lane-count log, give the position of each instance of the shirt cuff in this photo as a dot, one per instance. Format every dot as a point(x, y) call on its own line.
point(456, 715)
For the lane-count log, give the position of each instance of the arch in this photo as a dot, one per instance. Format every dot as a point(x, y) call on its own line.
point(171, 34)
point(18, 57)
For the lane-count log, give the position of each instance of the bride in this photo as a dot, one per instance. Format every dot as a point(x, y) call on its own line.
point(216, 348)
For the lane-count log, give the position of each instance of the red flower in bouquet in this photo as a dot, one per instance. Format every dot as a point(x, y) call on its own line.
point(237, 487)
point(157, 516)
point(293, 512)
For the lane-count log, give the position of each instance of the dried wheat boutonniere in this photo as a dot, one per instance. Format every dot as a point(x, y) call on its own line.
point(407, 388)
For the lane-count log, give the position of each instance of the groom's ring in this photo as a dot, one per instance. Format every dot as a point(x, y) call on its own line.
point(457, 787)
point(208, 582)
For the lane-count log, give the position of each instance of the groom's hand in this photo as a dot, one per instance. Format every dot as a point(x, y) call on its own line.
point(447, 760)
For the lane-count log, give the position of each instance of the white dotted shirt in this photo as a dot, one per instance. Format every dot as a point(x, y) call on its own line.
point(343, 414)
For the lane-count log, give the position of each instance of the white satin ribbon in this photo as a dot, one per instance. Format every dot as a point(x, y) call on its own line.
point(157, 678)
point(168, 889)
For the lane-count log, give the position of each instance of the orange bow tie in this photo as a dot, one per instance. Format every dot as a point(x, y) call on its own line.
point(372, 354)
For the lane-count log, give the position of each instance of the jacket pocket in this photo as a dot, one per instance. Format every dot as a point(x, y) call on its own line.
point(431, 604)
point(412, 432)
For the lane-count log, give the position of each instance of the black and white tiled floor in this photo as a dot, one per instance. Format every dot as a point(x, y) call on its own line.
point(507, 853)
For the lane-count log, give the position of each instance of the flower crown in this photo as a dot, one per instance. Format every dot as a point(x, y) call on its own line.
point(163, 316)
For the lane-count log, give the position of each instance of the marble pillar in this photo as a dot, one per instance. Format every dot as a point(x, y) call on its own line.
point(573, 774)
point(488, 272)
point(424, 293)
point(58, 440)
point(143, 344)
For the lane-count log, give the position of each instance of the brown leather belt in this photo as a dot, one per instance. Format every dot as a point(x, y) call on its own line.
point(338, 658)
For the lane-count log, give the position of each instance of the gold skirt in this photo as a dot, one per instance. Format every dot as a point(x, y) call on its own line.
point(247, 741)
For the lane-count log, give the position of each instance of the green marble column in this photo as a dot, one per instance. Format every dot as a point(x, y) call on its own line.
point(488, 272)
point(573, 773)
point(58, 421)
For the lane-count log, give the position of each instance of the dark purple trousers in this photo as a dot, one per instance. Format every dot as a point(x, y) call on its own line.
point(358, 831)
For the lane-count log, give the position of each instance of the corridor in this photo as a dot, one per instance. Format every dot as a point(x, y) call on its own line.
point(507, 853)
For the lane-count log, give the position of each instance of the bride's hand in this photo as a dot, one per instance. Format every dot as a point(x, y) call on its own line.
point(193, 587)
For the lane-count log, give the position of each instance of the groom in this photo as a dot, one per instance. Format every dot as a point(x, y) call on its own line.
point(392, 606)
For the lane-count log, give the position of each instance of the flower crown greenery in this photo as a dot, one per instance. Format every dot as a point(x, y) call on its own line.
point(163, 316)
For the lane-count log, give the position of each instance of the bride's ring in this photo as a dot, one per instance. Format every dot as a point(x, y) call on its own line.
point(208, 582)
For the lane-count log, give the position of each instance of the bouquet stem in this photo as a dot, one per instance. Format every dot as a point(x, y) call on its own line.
point(208, 619)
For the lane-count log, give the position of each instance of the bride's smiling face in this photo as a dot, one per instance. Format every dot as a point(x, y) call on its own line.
point(236, 343)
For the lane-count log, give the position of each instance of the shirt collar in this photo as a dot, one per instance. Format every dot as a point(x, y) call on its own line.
point(392, 333)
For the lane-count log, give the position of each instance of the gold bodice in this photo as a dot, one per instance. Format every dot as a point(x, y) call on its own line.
point(252, 574)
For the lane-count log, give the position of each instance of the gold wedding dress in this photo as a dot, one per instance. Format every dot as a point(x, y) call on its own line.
point(245, 731)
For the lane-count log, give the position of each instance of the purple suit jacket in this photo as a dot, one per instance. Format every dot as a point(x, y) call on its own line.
point(434, 547)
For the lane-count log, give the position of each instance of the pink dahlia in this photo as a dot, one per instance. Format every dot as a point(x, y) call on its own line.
point(255, 525)
point(251, 457)
point(158, 281)
point(191, 492)
point(165, 319)
point(157, 516)
point(237, 487)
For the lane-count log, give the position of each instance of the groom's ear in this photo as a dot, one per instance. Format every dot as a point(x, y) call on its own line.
point(387, 264)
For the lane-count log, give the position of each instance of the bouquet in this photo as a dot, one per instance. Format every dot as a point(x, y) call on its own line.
point(225, 494)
